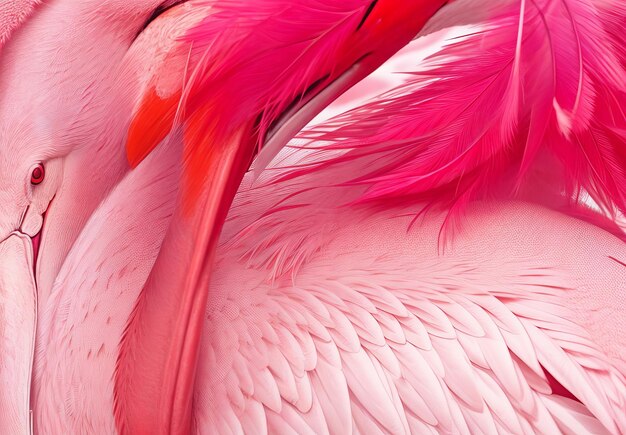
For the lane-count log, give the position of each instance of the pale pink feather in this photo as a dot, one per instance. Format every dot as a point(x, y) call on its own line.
point(13, 14)
point(378, 331)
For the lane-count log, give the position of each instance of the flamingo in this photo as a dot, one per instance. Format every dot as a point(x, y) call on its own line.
point(329, 304)
point(90, 75)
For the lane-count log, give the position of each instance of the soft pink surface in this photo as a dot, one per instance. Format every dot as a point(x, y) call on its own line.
point(12, 14)
point(18, 316)
point(320, 322)
point(326, 314)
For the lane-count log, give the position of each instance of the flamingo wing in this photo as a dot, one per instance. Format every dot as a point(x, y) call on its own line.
point(325, 318)
point(376, 332)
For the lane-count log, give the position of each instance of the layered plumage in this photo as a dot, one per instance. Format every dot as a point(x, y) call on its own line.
point(329, 308)
point(12, 15)
point(326, 48)
point(529, 105)
point(372, 330)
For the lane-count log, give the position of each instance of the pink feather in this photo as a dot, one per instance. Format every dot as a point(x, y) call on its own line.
point(260, 75)
point(13, 14)
point(532, 105)
point(289, 38)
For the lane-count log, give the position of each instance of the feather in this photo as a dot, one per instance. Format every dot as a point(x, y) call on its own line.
point(263, 74)
point(305, 394)
point(387, 359)
point(497, 400)
point(13, 14)
point(370, 390)
point(390, 327)
point(330, 385)
point(415, 332)
point(254, 419)
point(572, 417)
point(288, 422)
point(531, 102)
point(414, 403)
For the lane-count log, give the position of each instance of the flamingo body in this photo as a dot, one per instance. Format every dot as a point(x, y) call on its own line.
point(279, 341)
point(396, 336)
point(419, 265)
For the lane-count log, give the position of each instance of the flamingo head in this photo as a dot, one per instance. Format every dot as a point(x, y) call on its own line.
point(70, 75)
point(28, 187)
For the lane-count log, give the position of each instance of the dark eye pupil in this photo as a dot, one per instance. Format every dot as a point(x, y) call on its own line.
point(37, 175)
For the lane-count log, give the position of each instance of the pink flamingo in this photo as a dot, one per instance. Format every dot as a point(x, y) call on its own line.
point(90, 78)
point(323, 313)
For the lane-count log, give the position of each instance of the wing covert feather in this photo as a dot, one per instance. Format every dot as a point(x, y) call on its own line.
point(404, 357)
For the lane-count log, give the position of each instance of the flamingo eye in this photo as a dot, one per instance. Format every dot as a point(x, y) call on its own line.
point(38, 174)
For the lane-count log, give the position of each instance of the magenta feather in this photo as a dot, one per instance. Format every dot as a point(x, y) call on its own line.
point(251, 60)
point(266, 53)
point(530, 105)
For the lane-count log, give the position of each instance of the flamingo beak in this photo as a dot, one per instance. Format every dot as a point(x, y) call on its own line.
point(160, 351)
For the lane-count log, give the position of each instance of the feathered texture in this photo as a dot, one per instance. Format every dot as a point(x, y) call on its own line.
point(530, 105)
point(376, 330)
point(290, 38)
point(18, 314)
point(13, 13)
point(252, 60)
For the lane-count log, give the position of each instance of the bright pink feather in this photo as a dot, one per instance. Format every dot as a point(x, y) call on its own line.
point(531, 104)
point(260, 75)
point(289, 38)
